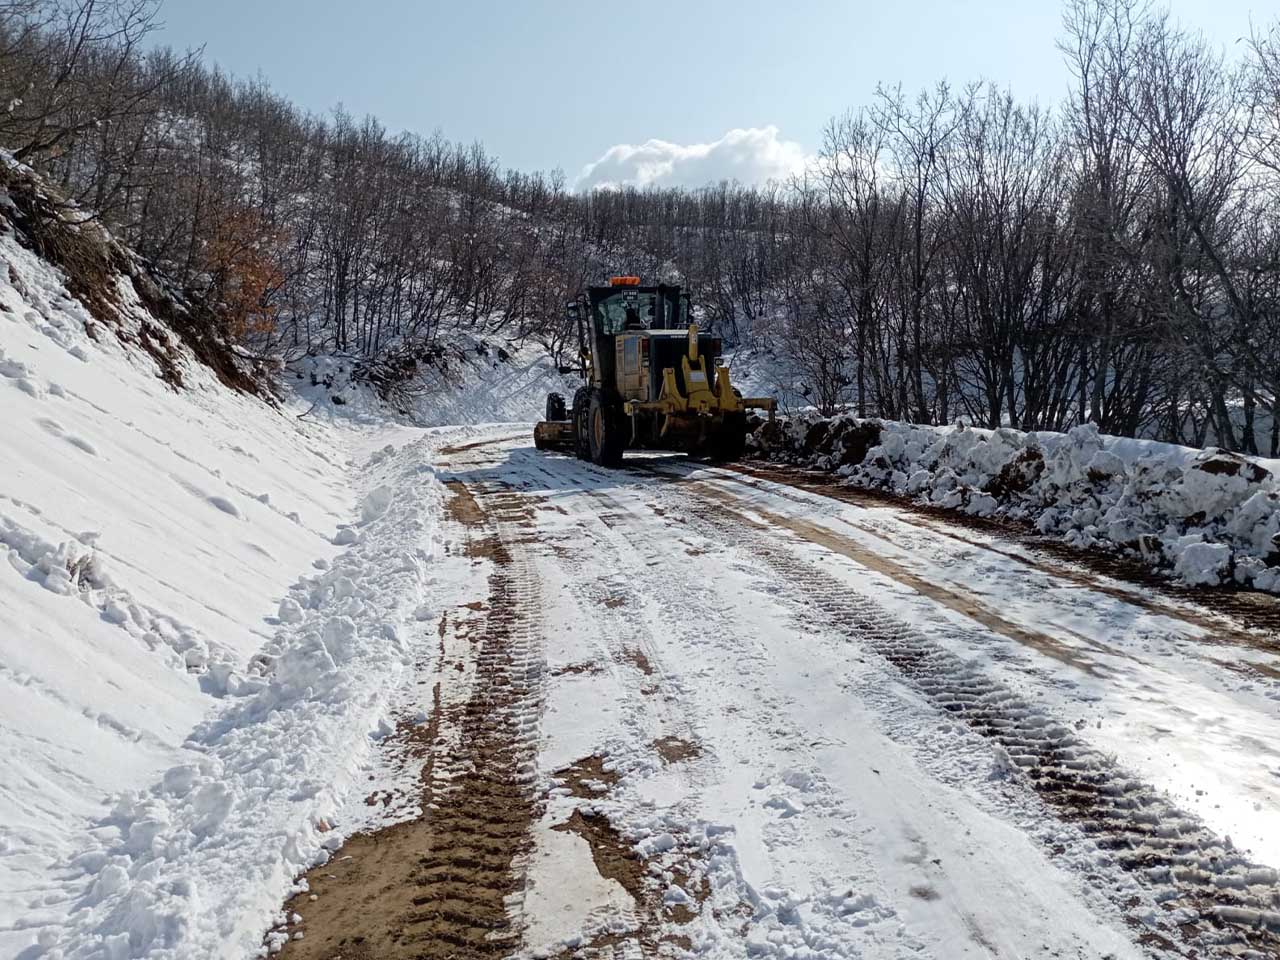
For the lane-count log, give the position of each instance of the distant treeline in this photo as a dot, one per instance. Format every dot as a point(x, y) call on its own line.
point(1114, 259)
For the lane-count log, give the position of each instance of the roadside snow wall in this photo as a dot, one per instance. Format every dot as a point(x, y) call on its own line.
point(206, 601)
point(1210, 516)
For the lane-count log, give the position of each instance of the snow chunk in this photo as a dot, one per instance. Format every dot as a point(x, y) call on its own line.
point(290, 611)
point(376, 504)
point(1203, 564)
point(340, 636)
point(789, 806)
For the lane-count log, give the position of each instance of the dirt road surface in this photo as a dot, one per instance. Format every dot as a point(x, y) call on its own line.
point(675, 709)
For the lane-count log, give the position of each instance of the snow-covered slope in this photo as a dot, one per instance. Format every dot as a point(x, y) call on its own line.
point(173, 610)
point(482, 380)
point(1210, 516)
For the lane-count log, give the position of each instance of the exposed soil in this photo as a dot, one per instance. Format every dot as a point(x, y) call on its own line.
point(578, 669)
point(587, 778)
point(489, 442)
point(637, 659)
point(675, 750)
point(439, 886)
point(461, 507)
point(612, 854)
point(616, 859)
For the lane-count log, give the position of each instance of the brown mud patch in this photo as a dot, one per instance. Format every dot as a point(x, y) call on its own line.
point(440, 886)
point(461, 507)
point(587, 778)
point(612, 854)
point(638, 660)
point(615, 859)
point(584, 668)
point(476, 444)
point(675, 750)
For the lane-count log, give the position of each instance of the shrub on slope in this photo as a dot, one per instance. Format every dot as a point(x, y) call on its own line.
point(112, 283)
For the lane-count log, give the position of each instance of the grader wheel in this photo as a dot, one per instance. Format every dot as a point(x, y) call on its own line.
point(604, 432)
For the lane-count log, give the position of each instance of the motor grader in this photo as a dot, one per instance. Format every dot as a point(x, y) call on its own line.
point(652, 380)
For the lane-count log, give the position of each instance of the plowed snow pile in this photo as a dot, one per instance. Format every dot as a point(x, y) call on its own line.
point(203, 608)
point(1208, 515)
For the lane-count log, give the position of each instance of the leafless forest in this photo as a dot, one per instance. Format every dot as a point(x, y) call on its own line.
point(957, 252)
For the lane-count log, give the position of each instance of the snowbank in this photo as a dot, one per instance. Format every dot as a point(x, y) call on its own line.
point(197, 864)
point(179, 708)
point(1209, 516)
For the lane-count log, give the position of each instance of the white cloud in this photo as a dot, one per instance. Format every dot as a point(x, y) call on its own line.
point(751, 156)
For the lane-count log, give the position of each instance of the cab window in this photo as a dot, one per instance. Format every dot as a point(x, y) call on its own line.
point(626, 310)
point(632, 310)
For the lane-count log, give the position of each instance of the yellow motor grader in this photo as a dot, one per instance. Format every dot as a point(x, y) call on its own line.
point(652, 381)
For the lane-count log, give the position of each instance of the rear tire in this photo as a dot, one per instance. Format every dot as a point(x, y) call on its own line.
point(605, 432)
point(581, 412)
point(556, 408)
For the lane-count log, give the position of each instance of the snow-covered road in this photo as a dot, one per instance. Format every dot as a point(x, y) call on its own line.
point(680, 708)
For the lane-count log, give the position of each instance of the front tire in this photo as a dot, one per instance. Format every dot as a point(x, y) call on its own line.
point(604, 433)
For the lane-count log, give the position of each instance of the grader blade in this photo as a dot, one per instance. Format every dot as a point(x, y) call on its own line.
point(553, 435)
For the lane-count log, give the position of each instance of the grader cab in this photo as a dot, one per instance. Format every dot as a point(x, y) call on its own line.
point(652, 380)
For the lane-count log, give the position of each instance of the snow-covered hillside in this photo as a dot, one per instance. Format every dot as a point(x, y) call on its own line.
point(162, 548)
point(140, 525)
point(205, 601)
point(483, 380)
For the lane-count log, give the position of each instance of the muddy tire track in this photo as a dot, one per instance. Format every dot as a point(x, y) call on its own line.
point(1215, 902)
point(1253, 617)
point(651, 707)
point(450, 884)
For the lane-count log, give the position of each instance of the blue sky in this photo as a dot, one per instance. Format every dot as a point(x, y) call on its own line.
point(559, 83)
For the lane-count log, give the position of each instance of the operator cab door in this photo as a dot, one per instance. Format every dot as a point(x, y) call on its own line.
point(632, 358)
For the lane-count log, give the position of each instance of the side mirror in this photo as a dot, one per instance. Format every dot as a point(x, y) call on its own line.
point(565, 371)
point(571, 310)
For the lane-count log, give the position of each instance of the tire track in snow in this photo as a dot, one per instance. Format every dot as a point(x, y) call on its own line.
point(1235, 616)
point(1225, 617)
point(450, 884)
point(1216, 902)
point(656, 719)
point(664, 615)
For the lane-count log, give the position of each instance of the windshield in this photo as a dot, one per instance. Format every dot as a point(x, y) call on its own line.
point(634, 310)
